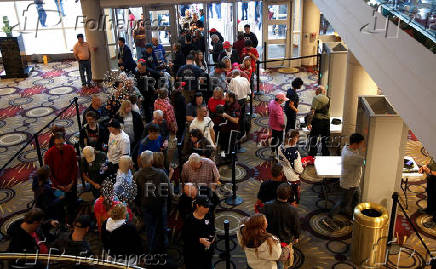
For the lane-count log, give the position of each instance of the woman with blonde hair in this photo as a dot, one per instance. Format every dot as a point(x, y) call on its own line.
point(132, 122)
point(261, 248)
point(120, 237)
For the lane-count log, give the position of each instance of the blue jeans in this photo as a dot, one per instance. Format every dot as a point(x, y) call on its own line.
point(218, 10)
point(155, 224)
point(280, 265)
point(60, 7)
point(42, 16)
point(244, 11)
point(139, 52)
point(85, 66)
point(210, 10)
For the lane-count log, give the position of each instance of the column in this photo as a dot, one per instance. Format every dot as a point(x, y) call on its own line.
point(310, 31)
point(385, 137)
point(95, 36)
point(358, 82)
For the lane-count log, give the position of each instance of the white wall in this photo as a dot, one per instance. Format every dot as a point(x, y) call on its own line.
point(400, 66)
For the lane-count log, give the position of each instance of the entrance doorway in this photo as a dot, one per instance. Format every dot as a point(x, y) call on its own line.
point(276, 34)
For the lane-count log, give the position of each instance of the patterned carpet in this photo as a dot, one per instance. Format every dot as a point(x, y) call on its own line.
point(28, 105)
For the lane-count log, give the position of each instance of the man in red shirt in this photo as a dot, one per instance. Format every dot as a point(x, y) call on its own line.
point(252, 52)
point(62, 160)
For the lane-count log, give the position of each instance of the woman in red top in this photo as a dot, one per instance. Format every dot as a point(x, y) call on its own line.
point(245, 67)
point(252, 52)
point(216, 100)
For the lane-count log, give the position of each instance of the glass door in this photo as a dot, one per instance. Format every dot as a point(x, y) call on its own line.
point(161, 20)
point(111, 37)
point(276, 34)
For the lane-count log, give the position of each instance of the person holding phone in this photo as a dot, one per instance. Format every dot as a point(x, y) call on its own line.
point(198, 235)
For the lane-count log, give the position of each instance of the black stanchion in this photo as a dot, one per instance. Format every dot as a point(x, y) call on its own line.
point(76, 145)
point(234, 199)
point(227, 243)
point(264, 55)
point(38, 150)
point(79, 123)
point(393, 217)
point(319, 68)
point(258, 91)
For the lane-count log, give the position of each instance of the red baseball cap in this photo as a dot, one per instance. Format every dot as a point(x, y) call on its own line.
point(227, 45)
point(212, 30)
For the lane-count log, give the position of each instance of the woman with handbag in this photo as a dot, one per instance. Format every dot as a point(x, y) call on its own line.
point(262, 249)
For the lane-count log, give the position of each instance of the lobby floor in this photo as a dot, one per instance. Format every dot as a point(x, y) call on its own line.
point(28, 105)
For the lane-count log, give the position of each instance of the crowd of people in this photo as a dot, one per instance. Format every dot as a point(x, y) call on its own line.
point(127, 143)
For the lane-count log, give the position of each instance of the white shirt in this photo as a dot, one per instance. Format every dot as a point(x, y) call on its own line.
point(118, 146)
point(352, 168)
point(136, 108)
point(291, 174)
point(204, 126)
point(240, 86)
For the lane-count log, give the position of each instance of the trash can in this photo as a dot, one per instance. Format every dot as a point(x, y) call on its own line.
point(370, 227)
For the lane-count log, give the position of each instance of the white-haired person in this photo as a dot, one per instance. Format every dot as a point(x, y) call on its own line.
point(132, 122)
point(158, 119)
point(151, 200)
point(91, 165)
point(217, 45)
point(200, 170)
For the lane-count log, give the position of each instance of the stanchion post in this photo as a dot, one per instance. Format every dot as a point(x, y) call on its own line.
point(234, 199)
point(258, 91)
point(395, 198)
point(38, 150)
point(77, 146)
point(79, 123)
point(227, 242)
point(264, 55)
point(319, 68)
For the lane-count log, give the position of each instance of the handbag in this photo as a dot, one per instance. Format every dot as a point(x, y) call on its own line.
point(287, 253)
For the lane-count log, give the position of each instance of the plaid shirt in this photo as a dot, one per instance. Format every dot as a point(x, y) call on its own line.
point(168, 111)
point(207, 173)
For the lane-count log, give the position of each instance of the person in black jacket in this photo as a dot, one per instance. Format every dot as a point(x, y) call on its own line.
point(44, 195)
point(248, 35)
point(179, 59)
point(213, 31)
point(193, 76)
point(282, 218)
point(93, 133)
point(228, 51)
point(178, 101)
point(152, 207)
point(28, 235)
point(198, 235)
point(198, 41)
point(120, 237)
point(146, 81)
point(291, 106)
point(268, 188)
point(217, 48)
point(74, 243)
point(125, 59)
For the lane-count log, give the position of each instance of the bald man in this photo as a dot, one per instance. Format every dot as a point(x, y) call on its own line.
point(319, 122)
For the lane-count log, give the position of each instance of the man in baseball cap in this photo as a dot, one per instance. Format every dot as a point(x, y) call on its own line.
point(276, 120)
point(214, 31)
point(229, 52)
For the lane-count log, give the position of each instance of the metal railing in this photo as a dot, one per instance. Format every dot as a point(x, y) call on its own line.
point(35, 136)
point(264, 61)
point(396, 202)
point(63, 260)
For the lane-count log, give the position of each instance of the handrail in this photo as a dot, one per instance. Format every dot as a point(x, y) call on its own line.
point(67, 258)
point(35, 135)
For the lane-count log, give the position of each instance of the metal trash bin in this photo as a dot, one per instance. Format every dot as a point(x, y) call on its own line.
point(369, 239)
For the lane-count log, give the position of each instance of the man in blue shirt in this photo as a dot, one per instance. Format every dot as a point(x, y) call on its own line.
point(291, 106)
point(153, 142)
point(150, 57)
point(158, 51)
